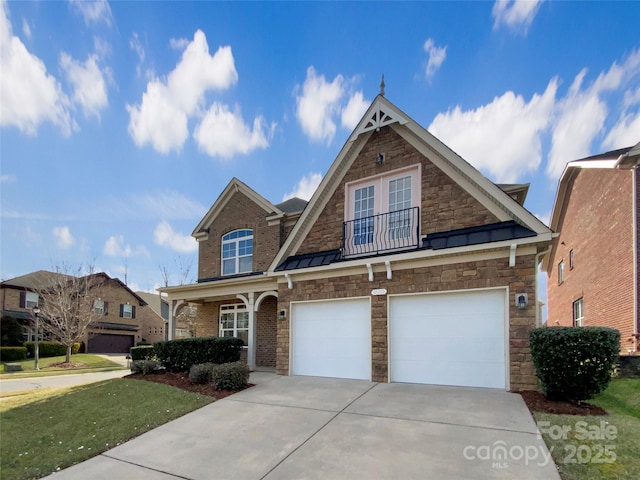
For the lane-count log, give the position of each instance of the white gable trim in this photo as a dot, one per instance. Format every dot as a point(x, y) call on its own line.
point(234, 186)
point(379, 116)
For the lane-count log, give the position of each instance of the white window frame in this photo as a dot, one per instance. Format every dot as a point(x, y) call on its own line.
point(98, 307)
point(237, 257)
point(31, 300)
point(234, 310)
point(561, 272)
point(578, 312)
point(127, 310)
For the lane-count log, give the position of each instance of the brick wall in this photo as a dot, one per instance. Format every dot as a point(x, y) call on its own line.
point(266, 319)
point(11, 299)
point(445, 205)
point(239, 212)
point(597, 225)
point(481, 274)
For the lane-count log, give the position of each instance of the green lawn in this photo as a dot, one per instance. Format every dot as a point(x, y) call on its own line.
point(603, 447)
point(45, 431)
point(90, 363)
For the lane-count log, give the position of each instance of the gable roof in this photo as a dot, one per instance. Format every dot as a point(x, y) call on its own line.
point(34, 280)
point(119, 283)
point(234, 186)
point(630, 159)
point(292, 205)
point(383, 113)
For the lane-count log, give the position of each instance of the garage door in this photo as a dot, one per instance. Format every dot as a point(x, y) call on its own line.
point(448, 338)
point(109, 343)
point(331, 338)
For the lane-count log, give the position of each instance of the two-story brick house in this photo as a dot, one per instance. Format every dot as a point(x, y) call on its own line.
point(593, 267)
point(125, 318)
point(407, 265)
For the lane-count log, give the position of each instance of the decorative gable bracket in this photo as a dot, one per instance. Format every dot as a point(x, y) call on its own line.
point(380, 116)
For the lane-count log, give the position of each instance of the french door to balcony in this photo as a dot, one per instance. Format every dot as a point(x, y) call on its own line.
point(382, 214)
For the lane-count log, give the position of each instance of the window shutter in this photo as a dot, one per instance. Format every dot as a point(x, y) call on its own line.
point(106, 308)
point(133, 311)
point(23, 299)
point(121, 310)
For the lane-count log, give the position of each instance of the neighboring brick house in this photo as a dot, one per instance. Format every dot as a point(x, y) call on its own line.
point(593, 265)
point(126, 318)
point(160, 306)
point(407, 265)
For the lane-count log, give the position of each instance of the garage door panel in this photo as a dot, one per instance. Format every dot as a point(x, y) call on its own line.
point(455, 338)
point(332, 339)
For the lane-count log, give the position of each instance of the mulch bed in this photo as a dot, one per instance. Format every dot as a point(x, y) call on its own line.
point(181, 380)
point(67, 365)
point(537, 402)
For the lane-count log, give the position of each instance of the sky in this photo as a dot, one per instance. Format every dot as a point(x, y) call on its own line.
point(122, 122)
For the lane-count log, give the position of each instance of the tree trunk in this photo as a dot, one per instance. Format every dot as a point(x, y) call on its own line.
point(69, 347)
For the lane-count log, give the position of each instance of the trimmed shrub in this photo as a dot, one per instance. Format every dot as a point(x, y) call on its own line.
point(230, 376)
point(142, 352)
point(201, 373)
point(47, 349)
point(574, 363)
point(146, 367)
point(75, 348)
point(12, 354)
point(180, 355)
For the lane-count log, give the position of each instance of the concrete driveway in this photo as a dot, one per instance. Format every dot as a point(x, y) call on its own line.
point(321, 428)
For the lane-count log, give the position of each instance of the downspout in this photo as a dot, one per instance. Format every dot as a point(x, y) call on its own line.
point(538, 260)
point(634, 188)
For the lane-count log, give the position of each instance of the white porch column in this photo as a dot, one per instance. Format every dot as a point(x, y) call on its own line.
point(171, 333)
point(249, 302)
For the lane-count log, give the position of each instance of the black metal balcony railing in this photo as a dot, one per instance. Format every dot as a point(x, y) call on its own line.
point(381, 233)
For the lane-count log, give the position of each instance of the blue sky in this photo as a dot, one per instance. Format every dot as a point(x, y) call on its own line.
point(122, 122)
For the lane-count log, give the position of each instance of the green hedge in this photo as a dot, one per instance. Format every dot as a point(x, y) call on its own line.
point(142, 352)
point(12, 354)
point(574, 363)
point(230, 376)
point(47, 349)
point(180, 355)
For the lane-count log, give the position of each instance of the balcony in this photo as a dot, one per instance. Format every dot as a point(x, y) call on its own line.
point(382, 233)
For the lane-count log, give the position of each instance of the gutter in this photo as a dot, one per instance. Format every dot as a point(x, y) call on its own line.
point(538, 256)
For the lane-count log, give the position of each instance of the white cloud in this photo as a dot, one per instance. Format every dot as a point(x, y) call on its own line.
point(436, 57)
point(544, 217)
point(115, 246)
point(178, 43)
point(515, 14)
point(8, 178)
point(625, 133)
point(136, 46)
point(354, 110)
point(306, 187)
point(88, 83)
point(165, 236)
point(93, 11)
point(320, 102)
point(26, 29)
point(63, 237)
point(223, 133)
point(161, 118)
point(28, 94)
point(503, 137)
point(581, 114)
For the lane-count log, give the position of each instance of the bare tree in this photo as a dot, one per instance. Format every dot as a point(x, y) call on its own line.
point(68, 304)
point(186, 319)
point(183, 266)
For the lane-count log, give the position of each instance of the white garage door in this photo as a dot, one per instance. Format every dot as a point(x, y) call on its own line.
point(448, 338)
point(331, 338)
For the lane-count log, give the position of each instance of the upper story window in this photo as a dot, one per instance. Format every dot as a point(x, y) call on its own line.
point(560, 272)
point(237, 252)
point(127, 311)
point(382, 212)
point(100, 307)
point(31, 300)
point(578, 314)
point(571, 264)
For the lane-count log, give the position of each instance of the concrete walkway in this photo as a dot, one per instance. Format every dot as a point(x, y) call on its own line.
point(58, 381)
point(321, 428)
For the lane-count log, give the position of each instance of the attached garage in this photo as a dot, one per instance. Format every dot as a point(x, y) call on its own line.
point(110, 343)
point(454, 338)
point(331, 338)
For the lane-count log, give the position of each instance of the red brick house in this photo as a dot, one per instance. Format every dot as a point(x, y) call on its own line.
point(593, 265)
point(125, 318)
point(407, 265)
